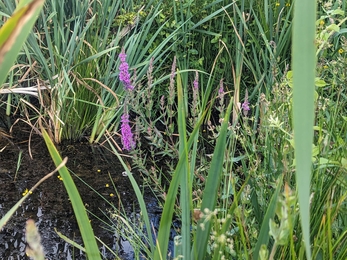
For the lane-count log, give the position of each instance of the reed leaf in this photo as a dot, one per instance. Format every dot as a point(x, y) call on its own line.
point(84, 225)
point(185, 183)
point(304, 61)
point(14, 33)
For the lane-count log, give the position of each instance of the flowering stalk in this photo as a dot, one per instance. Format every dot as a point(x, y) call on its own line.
point(127, 136)
point(172, 93)
point(245, 105)
point(194, 111)
point(150, 90)
point(124, 75)
point(221, 94)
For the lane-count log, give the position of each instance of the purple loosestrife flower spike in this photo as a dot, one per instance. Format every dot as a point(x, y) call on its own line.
point(124, 75)
point(221, 93)
point(245, 104)
point(171, 98)
point(127, 136)
point(194, 110)
point(196, 81)
point(221, 88)
point(173, 71)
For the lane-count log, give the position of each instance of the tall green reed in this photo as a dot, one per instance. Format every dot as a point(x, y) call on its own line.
point(304, 64)
point(91, 247)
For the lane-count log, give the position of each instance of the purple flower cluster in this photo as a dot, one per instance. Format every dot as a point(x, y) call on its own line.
point(173, 71)
point(245, 106)
point(194, 111)
point(127, 136)
point(124, 75)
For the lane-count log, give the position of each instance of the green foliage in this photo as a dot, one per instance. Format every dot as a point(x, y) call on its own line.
point(76, 59)
point(304, 64)
point(242, 186)
point(129, 18)
point(261, 159)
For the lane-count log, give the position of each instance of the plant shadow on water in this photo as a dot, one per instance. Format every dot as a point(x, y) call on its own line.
point(49, 205)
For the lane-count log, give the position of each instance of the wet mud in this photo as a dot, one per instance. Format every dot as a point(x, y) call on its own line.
point(49, 205)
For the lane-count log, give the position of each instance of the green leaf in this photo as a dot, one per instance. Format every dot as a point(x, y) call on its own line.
point(84, 225)
point(320, 83)
point(185, 179)
point(344, 163)
point(304, 64)
point(14, 33)
point(289, 78)
point(333, 27)
point(337, 11)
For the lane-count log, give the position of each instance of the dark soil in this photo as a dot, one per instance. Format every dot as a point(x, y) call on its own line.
point(49, 205)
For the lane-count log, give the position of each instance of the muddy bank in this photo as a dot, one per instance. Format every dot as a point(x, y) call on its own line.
point(49, 205)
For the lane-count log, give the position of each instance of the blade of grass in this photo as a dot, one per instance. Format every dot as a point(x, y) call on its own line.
point(304, 61)
point(14, 32)
point(84, 225)
point(185, 183)
point(19, 161)
point(68, 240)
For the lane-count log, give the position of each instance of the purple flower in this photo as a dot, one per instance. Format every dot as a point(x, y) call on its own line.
point(173, 71)
point(196, 81)
point(124, 75)
point(245, 106)
point(194, 111)
point(127, 136)
point(171, 98)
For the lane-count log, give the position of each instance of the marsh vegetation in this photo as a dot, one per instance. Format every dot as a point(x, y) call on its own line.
point(231, 116)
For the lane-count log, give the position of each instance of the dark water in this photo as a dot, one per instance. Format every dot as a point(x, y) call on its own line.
point(49, 205)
